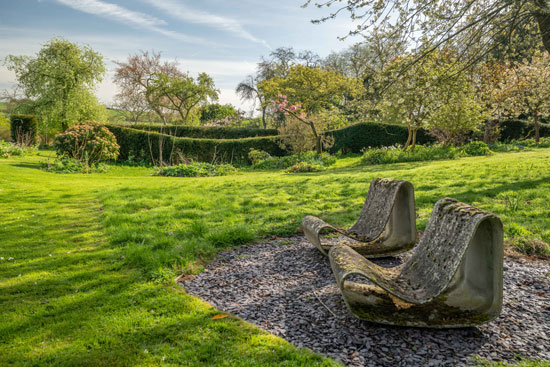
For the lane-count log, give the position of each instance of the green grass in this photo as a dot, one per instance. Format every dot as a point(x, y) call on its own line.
point(93, 255)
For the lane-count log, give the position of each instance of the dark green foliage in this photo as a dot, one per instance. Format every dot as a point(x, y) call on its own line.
point(354, 138)
point(323, 160)
point(138, 145)
point(515, 129)
point(23, 129)
point(203, 132)
point(197, 169)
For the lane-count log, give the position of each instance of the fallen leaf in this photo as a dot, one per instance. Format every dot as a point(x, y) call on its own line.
point(220, 316)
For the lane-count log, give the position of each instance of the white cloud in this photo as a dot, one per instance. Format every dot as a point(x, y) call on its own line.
point(120, 14)
point(190, 15)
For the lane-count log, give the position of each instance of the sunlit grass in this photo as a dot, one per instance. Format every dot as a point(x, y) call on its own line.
point(105, 297)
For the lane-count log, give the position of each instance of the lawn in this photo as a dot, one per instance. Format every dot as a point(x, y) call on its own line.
point(88, 260)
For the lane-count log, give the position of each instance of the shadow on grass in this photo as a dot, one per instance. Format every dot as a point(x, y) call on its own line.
point(38, 166)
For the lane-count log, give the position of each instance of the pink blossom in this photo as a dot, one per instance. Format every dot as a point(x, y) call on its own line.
point(280, 95)
point(293, 108)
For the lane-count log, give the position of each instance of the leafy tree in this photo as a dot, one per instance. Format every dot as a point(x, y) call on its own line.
point(411, 98)
point(474, 26)
point(277, 64)
point(216, 111)
point(59, 80)
point(137, 75)
point(458, 109)
point(313, 96)
point(182, 93)
point(525, 88)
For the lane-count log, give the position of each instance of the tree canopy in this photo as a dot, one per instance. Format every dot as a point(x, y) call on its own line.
point(59, 80)
point(475, 27)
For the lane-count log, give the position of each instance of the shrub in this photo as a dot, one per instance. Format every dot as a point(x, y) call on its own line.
point(202, 132)
point(5, 133)
point(23, 129)
point(256, 156)
point(89, 142)
point(71, 165)
point(396, 154)
point(305, 167)
point(324, 160)
point(10, 149)
point(355, 138)
point(197, 169)
point(476, 148)
point(146, 146)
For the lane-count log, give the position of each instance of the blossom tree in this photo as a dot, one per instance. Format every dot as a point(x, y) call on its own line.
point(313, 97)
point(526, 87)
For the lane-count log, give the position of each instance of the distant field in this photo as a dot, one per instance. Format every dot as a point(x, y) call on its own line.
point(85, 278)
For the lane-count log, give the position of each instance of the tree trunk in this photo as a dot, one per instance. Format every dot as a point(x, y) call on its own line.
point(263, 117)
point(537, 133)
point(318, 145)
point(409, 137)
point(413, 139)
point(64, 123)
point(543, 20)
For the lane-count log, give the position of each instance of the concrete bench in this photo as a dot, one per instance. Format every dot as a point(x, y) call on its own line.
point(386, 225)
point(453, 279)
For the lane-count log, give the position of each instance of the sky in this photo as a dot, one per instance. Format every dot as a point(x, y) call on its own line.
point(223, 38)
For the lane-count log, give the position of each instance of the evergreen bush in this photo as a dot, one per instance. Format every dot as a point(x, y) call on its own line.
point(23, 129)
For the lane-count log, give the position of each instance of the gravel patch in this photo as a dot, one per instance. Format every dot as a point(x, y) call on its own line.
point(285, 286)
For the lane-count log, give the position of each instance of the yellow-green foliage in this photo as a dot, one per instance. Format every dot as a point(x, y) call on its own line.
point(4, 128)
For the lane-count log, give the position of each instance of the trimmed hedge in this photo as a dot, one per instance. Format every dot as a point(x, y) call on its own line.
point(202, 132)
point(139, 145)
point(515, 129)
point(356, 137)
point(23, 124)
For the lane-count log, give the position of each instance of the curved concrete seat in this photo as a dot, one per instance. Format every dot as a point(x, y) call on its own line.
point(386, 225)
point(453, 279)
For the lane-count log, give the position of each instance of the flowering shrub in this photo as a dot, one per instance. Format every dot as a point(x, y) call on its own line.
point(89, 142)
point(197, 169)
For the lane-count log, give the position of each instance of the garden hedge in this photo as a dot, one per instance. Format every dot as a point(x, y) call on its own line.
point(24, 124)
point(515, 129)
point(139, 145)
point(354, 138)
point(203, 132)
